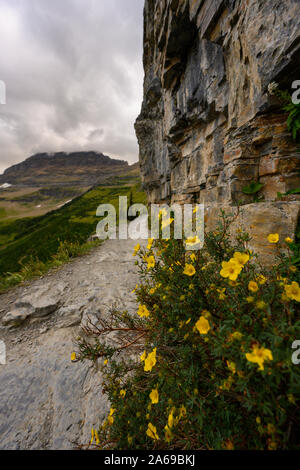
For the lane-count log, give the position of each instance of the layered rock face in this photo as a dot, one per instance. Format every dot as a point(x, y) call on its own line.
point(208, 126)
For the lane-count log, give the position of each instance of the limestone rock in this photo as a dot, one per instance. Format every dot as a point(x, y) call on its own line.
point(15, 318)
point(208, 126)
point(39, 305)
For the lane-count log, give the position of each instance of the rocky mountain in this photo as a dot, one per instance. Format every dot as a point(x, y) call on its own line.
point(208, 127)
point(66, 169)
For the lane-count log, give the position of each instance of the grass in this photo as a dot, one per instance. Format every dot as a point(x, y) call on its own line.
point(30, 246)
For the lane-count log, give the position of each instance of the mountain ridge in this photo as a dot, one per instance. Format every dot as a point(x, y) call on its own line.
point(80, 168)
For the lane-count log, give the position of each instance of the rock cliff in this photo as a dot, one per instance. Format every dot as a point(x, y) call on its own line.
point(208, 126)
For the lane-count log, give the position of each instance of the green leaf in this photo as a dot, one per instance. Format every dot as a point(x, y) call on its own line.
point(253, 188)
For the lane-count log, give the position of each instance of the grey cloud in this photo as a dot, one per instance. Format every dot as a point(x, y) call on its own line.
point(73, 71)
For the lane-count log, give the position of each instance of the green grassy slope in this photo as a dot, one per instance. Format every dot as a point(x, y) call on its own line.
point(40, 237)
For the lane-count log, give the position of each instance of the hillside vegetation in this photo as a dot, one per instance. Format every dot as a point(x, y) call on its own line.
point(32, 245)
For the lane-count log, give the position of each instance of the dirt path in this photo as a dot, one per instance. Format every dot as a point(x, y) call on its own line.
point(46, 401)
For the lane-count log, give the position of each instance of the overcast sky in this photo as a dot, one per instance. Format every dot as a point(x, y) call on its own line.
point(73, 73)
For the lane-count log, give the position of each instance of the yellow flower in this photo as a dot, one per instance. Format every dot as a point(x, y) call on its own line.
point(151, 262)
point(143, 311)
point(259, 356)
point(143, 356)
point(152, 291)
point(171, 419)
point(93, 436)
point(150, 361)
point(288, 240)
point(231, 366)
point(273, 238)
point(110, 418)
point(250, 299)
point(129, 438)
point(261, 279)
point(189, 270)
point(192, 241)
point(293, 269)
point(152, 432)
point(222, 295)
point(253, 287)
point(150, 243)
point(168, 434)
point(193, 257)
point(261, 305)
point(105, 362)
point(136, 249)
point(236, 335)
point(73, 356)
point(154, 396)
point(293, 291)
point(203, 326)
point(231, 269)
point(97, 437)
point(241, 258)
point(258, 420)
point(136, 287)
point(122, 393)
point(228, 445)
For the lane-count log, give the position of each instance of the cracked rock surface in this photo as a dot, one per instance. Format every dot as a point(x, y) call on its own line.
point(47, 401)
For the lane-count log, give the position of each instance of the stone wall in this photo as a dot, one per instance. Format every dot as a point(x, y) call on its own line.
point(208, 126)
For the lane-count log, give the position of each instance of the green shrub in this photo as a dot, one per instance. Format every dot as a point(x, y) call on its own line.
point(206, 362)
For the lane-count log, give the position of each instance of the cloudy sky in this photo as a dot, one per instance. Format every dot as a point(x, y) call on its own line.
point(73, 74)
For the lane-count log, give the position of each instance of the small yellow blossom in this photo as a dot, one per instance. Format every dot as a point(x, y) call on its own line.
point(73, 356)
point(293, 269)
point(171, 419)
point(136, 249)
point(230, 269)
point(105, 362)
point(203, 326)
point(122, 393)
point(261, 305)
point(129, 439)
point(152, 432)
point(192, 241)
point(150, 262)
point(150, 243)
point(261, 279)
point(150, 361)
point(231, 366)
point(258, 420)
point(143, 311)
point(143, 356)
point(241, 258)
point(93, 436)
point(193, 257)
point(292, 291)
point(253, 286)
point(273, 238)
point(259, 356)
point(154, 396)
point(288, 240)
point(250, 299)
point(189, 270)
point(110, 418)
